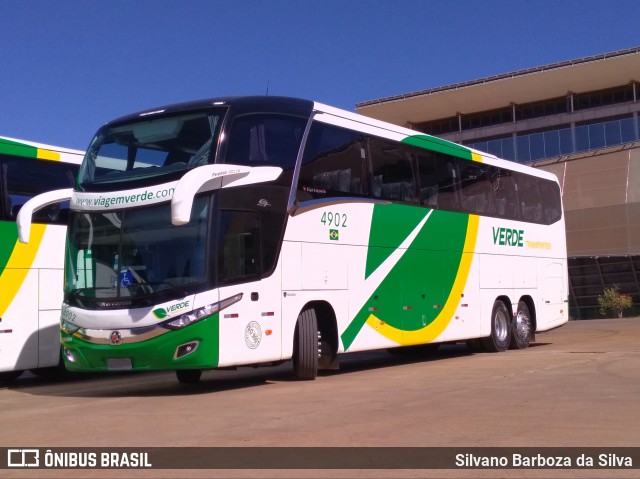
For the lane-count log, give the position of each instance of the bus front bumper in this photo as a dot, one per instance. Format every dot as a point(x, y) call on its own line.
point(192, 347)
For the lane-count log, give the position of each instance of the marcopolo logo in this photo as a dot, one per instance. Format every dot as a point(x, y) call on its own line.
point(162, 313)
point(508, 237)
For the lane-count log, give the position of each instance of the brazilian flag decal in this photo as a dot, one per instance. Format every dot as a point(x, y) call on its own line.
point(415, 272)
point(334, 235)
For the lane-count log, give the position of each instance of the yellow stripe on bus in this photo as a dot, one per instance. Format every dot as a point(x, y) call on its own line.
point(48, 155)
point(433, 330)
point(18, 266)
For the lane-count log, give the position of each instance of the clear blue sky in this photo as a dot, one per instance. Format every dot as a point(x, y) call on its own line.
point(68, 66)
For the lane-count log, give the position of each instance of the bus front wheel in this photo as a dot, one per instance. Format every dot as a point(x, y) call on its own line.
point(305, 346)
point(500, 328)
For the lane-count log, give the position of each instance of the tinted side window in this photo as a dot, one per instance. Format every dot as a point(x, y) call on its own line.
point(529, 196)
point(239, 251)
point(265, 140)
point(476, 189)
point(333, 163)
point(437, 176)
point(551, 204)
point(24, 178)
point(506, 193)
point(391, 171)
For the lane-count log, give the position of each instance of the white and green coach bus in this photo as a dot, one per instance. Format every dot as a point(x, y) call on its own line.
point(252, 230)
point(31, 275)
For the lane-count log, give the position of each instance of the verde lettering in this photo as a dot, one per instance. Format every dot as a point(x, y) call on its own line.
point(175, 307)
point(508, 237)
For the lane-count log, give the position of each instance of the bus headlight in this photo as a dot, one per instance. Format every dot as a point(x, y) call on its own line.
point(200, 313)
point(68, 327)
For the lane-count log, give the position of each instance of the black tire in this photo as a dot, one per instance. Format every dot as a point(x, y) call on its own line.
point(305, 346)
point(475, 345)
point(188, 376)
point(521, 327)
point(500, 329)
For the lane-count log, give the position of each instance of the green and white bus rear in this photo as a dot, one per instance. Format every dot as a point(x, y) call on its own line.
point(31, 275)
point(253, 230)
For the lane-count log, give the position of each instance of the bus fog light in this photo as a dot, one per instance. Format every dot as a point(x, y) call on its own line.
point(69, 356)
point(186, 349)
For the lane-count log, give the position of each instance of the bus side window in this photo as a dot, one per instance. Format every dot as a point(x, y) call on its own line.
point(239, 246)
point(506, 193)
point(391, 171)
point(333, 163)
point(476, 189)
point(438, 180)
point(529, 196)
point(265, 140)
point(551, 205)
point(24, 178)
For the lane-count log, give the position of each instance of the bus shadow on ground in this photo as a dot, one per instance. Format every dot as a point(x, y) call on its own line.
point(165, 383)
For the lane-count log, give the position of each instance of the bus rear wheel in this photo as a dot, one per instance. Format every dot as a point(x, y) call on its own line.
point(305, 346)
point(500, 328)
point(188, 376)
point(521, 327)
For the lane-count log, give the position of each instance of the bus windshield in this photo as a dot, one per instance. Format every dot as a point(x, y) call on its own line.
point(131, 255)
point(150, 148)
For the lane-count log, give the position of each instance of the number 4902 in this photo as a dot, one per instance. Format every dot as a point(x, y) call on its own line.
point(334, 219)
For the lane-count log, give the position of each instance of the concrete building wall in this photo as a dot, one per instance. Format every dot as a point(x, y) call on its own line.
point(601, 195)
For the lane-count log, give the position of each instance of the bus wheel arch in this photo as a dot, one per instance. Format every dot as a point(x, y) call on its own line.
point(523, 325)
point(501, 317)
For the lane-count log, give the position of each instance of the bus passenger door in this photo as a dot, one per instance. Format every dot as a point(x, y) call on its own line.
point(250, 328)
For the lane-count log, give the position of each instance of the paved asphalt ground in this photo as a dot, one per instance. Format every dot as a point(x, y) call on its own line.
point(577, 386)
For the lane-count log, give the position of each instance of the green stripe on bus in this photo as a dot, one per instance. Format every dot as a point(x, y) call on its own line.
point(390, 225)
point(8, 147)
point(9, 235)
point(437, 144)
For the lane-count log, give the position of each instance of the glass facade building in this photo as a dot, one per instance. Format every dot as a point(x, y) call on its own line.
point(542, 145)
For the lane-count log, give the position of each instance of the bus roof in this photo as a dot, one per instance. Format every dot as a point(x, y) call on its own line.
point(249, 103)
point(306, 107)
